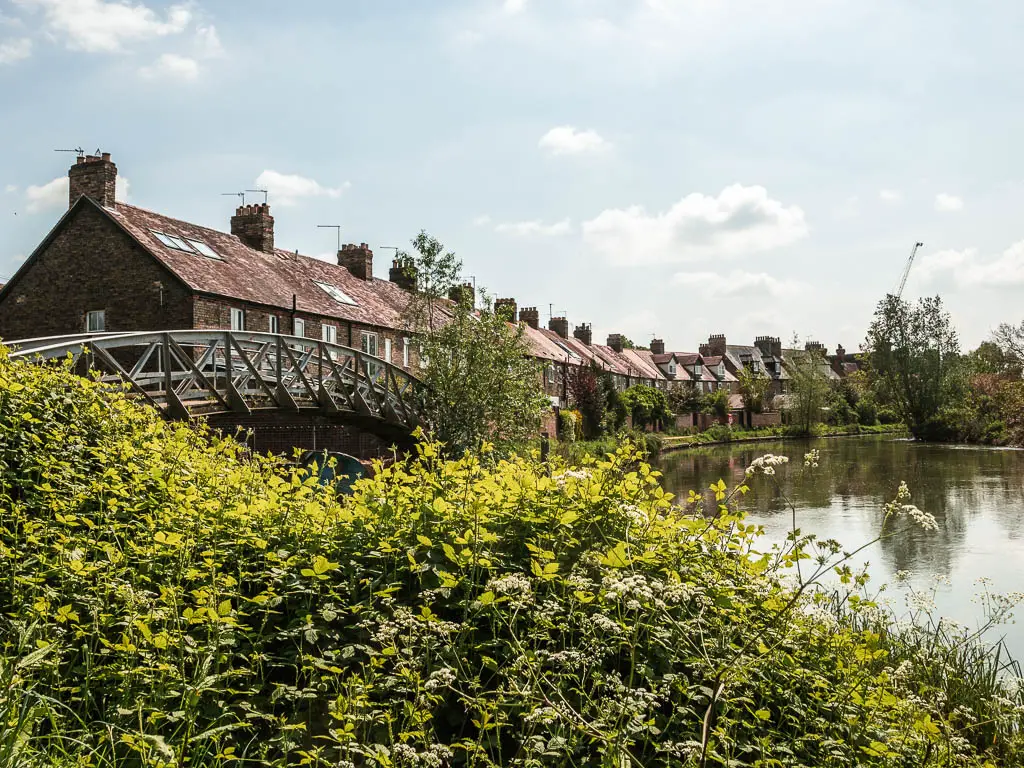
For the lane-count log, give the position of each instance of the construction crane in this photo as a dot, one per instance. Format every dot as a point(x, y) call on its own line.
point(906, 270)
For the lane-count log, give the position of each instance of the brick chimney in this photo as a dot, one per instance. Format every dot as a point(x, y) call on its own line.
point(505, 308)
point(840, 353)
point(716, 345)
point(815, 347)
point(584, 333)
point(559, 325)
point(403, 274)
point(254, 226)
point(357, 259)
point(769, 346)
point(94, 176)
point(657, 346)
point(530, 316)
point(463, 294)
point(615, 341)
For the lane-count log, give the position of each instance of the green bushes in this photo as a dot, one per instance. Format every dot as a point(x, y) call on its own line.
point(168, 604)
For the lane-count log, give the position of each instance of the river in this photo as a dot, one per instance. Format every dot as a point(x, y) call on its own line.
point(975, 494)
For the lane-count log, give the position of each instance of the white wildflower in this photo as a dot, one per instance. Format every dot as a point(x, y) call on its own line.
point(766, 464)
point(811, 458)
point(515, 586)
point(440, 678)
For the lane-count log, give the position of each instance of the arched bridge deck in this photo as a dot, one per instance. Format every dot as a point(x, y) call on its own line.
point(199, 373)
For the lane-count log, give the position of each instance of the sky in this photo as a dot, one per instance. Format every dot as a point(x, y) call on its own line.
point(668, 168)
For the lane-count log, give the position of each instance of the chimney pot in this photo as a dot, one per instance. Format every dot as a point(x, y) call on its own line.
point(615, 341)
point(559, 325)
point(530, 316)
point(657, 346)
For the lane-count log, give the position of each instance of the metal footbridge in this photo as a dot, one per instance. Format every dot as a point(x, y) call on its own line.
point(189, 373)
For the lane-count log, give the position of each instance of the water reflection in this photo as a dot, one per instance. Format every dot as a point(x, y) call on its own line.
point(976, 496)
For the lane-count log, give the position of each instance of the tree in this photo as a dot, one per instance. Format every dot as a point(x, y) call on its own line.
point(614, 408)
point(914, 350)
point(684, 397)
point(481, 383)
point(584, 385)
point(1010, 339)
point(754, 388)
point(647, 405)
point(809, 388)
point(717, 403)
point(435, 271)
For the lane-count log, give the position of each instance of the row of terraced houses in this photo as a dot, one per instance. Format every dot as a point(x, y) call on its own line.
point(109, 266)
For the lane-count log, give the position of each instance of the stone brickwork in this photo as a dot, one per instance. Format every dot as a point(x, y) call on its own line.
point(67, 280)
point(357, 259)
point(254, 226)
point(93, 176)
point(281, 433)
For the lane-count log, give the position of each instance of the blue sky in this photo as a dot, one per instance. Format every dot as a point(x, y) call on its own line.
point(669, 167)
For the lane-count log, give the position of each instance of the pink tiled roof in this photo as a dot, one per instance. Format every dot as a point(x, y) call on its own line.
point(643, 361)
point(265, 278)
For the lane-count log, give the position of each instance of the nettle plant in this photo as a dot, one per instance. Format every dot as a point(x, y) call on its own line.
point(171, 604)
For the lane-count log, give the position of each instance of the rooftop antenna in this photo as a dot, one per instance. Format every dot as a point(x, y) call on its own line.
point(259, 192)
point(77, 150)
point(234, 194)
point(394, 248)
point(335, 227)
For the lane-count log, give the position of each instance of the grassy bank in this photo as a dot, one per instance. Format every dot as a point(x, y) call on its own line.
point(723, 434)
point(170, 604)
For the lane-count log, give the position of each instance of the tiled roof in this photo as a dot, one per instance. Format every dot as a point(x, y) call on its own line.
point(270, 279)
point(687, 358)
point(643, 361)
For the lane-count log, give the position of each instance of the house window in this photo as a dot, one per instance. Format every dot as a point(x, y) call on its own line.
point(298, 327)
point(369, 343)
point(335, 293)
point(329, 333)
point(237, 319)
point(95, 321)
point(550, 371)
point(721, 370)
point(405, 352)
point(275, 324)
point(672, 369)
point(387, 350)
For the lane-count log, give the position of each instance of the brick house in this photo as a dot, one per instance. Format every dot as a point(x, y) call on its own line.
point(110, 266)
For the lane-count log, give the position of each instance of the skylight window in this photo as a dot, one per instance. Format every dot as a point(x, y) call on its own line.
point(336, 293)
point(185, 245)
point(204, 249)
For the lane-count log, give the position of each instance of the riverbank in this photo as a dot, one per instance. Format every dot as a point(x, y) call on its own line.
point(725, 435)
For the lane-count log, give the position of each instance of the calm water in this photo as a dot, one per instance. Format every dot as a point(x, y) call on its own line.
point(976, 495)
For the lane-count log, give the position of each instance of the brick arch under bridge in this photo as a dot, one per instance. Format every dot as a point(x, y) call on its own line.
point(282, 392)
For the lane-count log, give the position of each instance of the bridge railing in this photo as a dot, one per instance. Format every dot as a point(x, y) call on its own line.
point(196, 372)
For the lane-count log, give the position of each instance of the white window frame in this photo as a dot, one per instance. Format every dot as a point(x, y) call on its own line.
point(274, 324)
point(405, 352)
point(387, 350)
point(368, 339)
point(329, 333)
point(237, 319)
point(299, 327)
point(93, 314)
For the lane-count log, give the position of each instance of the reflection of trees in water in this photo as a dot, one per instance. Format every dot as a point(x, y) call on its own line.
point(956, 486)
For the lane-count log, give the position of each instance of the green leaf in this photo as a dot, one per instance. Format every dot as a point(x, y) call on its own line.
point(486, 598)
point(617, 557)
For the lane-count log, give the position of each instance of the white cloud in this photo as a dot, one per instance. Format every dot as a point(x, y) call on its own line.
point(208, 43)
point(102, 26)
point(736, 283)
point(567, 140)
point(535, 227)
point(15, 50)
point(968, 269)
point(890, 196)
point(171, 66)
point(513, 6)
point(289, 188)
point(10, 188)
point(739, 220)
point(944, 202)
point(482, 220)
point(54, 194)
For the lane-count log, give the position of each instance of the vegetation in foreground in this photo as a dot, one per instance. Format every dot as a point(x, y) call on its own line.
point(169, 604)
